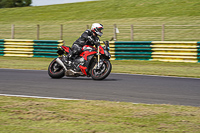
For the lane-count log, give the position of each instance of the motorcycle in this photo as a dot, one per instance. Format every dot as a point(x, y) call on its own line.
point(92, 62)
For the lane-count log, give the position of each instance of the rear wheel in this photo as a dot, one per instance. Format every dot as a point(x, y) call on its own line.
point(102, 72)
point(55, 70)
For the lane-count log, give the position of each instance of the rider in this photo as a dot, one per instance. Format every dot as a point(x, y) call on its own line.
point(89, 37)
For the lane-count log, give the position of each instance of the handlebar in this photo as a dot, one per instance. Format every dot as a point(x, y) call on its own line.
point(107, 45)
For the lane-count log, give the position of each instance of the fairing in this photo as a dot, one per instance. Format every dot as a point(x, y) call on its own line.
point(66, 48)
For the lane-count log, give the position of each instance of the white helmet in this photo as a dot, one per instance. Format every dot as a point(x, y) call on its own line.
point(96, 28)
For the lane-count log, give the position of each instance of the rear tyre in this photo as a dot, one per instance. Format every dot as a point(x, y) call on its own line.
point(55, 70)
point(102, 72)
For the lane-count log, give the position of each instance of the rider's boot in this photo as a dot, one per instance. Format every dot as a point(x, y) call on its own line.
point(69, 59)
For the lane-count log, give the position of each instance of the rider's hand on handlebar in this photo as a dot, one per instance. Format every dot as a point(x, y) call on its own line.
point(97, 44)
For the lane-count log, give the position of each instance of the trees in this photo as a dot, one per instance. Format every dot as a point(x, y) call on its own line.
point(14, 3)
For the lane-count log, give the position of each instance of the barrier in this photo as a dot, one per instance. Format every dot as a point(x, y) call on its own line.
point(176, 51)
point(29, 48)
point(131, 50)
point(171, 51)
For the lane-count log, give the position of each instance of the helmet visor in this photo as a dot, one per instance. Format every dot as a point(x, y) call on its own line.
point(99, 32)
point(99, 28)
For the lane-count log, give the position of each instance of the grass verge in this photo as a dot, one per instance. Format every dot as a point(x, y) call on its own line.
point(132, 67)
point(81, 116)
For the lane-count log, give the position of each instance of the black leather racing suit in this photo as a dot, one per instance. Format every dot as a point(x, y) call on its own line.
point(87, 38)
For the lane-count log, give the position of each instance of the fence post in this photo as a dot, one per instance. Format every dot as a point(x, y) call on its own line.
point(115, 32)
point(61, 32)
point(38, 32)
point(163, 32)
point(87, 27)
point(132, 33)
point(13, 31)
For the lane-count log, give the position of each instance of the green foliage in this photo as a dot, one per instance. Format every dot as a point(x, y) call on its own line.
point(14, 3)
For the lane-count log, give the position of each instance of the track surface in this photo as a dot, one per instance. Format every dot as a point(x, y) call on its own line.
point(117, 87)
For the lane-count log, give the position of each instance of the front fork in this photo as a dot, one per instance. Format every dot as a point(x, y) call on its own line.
point(99, 61)
point(98, 57)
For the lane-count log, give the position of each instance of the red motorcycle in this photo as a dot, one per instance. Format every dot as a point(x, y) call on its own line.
point(92, 62)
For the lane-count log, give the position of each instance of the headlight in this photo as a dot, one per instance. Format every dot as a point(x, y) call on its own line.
point(107, 54)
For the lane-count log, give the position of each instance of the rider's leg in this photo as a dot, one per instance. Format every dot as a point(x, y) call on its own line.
point(75, 50)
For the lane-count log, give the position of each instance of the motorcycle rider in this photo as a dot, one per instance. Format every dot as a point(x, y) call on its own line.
point(89, 37)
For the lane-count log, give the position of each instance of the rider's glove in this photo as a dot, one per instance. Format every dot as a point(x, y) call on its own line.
point(90, 39)
point(96, 44)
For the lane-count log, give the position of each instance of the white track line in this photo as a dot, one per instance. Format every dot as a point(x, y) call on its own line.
point(53, 98)
point(26, 96)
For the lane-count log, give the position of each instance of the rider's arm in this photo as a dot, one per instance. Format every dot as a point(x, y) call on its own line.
point(96, 42)
point(85, 37)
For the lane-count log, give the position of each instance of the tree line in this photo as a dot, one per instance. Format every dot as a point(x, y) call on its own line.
point(14, 3)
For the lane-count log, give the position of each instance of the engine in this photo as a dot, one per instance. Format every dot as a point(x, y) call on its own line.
point(78, 61)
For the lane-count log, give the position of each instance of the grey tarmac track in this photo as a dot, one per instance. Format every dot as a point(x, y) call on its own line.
point(116, 87)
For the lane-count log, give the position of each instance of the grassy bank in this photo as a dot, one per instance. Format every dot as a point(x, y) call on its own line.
point(75, 17)
point(101, 10)
point(57, 116)
point(133, 67)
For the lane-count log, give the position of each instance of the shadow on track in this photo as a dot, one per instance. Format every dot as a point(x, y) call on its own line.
point(79, 78)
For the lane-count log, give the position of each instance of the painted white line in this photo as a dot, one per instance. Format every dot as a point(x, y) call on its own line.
point(26, 96)
point(53, 98)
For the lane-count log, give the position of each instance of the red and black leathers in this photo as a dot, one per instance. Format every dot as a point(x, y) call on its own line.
point(87, 38)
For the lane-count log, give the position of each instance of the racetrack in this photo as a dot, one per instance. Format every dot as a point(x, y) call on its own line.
point(117, 87)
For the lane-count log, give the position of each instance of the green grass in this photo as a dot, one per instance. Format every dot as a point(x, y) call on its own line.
point(56, 116)
point(75, 17)
point(157, 68)
point(133, 66)
point(102, 10)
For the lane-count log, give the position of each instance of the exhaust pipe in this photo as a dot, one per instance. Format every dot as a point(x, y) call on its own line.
point(58, 60)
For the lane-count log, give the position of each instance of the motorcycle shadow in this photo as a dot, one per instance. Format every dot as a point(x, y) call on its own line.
point(85, 78)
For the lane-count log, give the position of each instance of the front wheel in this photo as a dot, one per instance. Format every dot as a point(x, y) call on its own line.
point(55, 70)
point(102, 72)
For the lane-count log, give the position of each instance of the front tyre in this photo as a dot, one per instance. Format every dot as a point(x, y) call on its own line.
point(102, 72)
point(55, 70)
